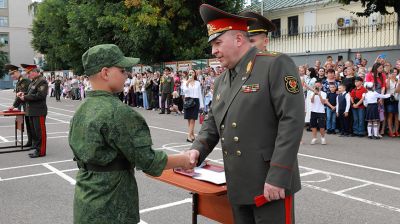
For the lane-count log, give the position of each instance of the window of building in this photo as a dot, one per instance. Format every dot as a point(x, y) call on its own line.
point(3, 21)
point(3, 4)
point(277, 23)
point(4, 38)
point(293, 25)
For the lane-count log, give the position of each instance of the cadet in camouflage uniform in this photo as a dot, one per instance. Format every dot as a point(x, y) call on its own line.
point(109, 140)
point(21, 87)
point(36, 109)
point(257, 112)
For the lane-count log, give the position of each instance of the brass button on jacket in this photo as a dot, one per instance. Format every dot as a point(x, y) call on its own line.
point(225, 153)
point(234, 125)
point(238, 153)
point(222, 127)
point(236, 139)
point(222, 140)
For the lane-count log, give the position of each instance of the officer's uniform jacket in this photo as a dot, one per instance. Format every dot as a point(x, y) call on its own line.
point(259, 118)
point(21, 86)
point(35, 98)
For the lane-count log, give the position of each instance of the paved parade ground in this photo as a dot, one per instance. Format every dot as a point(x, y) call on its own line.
point(350, 180)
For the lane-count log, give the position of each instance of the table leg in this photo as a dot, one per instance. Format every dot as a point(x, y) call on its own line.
point(195, 198)
point(15, 129)
point(22, 132)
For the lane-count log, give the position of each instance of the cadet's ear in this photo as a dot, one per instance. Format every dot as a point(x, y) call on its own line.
point(104, 75)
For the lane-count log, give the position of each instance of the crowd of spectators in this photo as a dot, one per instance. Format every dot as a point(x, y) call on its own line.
point(351, 98)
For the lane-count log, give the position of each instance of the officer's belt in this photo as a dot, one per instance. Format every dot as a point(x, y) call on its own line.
point(118, 164)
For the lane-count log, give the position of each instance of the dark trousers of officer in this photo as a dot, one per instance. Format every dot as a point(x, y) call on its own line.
point(28, 130)
point(274, 212)
point(165, 97)
point(58, 94)
point(39, 135)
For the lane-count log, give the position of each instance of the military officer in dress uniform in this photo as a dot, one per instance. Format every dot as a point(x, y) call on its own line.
point(57, 88)
point(21, 86)
point(36, 109)
point(258, 30)
point(166, 89)
point(257, 112)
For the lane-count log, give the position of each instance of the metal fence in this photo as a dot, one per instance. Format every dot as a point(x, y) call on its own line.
point(347, 34)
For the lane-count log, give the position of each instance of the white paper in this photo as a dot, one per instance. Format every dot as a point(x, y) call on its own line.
point(209, 175)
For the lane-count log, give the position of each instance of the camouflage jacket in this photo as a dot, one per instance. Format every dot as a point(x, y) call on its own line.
point(102, 129)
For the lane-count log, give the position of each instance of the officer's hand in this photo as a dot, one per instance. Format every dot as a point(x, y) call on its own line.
point(11, 108)
point(19, 94)
point(193, 155)
point(273, 193)
point(346, 114)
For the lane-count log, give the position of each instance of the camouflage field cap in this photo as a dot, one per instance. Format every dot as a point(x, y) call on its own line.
point(105, 55)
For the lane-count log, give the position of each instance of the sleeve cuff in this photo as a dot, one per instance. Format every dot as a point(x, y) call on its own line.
point(279, 176)
point(158, 164)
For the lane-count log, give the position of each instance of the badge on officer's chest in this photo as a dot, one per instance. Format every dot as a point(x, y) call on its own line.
point(250, 88)
point(218, 97)
point(291, 84)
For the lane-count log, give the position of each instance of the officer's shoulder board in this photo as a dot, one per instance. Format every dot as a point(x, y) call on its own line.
point(268, 53)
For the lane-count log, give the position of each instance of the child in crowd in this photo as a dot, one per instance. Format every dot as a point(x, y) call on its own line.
point(342, 110)
point(372, 112)
point(318, 119)
point(358, 109)
point(177, 103)
point(331, 109)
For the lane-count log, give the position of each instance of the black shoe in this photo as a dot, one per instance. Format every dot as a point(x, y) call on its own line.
point(168, 112)
point(189, 140)
point(161, 113)
point(353, 135)
point(28, 145)
point(377, 137)
point(370, 137)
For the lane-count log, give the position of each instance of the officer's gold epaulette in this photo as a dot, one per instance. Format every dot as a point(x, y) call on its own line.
point(268, 53)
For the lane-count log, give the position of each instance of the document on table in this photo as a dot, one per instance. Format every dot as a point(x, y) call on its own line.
point(209, 175)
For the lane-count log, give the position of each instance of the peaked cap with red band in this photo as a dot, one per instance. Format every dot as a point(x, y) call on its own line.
point(28, 68)
point(219, 21)
point(262, 25)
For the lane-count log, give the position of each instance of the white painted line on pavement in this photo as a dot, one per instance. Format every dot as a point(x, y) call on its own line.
point(65, 115)
point(353, 178)
point(26, 176)
point(52, 137)
point(11, 126)
point(48, 133)
point(142, 222)
point(62, 109)
point(36, 164)
point(65, 122)
point(353, 188)
point(3, 139)
point(186, 200)
point(351, 164)
point(165, 129)
point(308, 173)
point(353, 197)
point(59, 173)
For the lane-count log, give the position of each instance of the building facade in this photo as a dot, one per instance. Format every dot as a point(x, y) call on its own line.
point(305, 26)
point(15, 34)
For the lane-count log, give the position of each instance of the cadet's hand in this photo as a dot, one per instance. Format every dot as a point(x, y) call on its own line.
point(11, 108)
point(273, 193)
point(346, 114)
point(19, 94)
point(22, 98)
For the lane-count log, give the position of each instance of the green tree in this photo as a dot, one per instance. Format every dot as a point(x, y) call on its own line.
point(154, 30)
point(372, 6)
point(3, 60)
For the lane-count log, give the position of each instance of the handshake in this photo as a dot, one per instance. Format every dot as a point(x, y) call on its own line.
point(186, 160)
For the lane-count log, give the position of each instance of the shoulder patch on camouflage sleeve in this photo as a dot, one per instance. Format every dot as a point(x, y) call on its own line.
point(41, 88)
point(291, 84)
